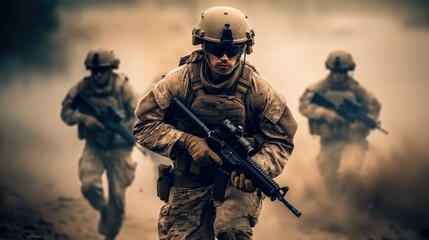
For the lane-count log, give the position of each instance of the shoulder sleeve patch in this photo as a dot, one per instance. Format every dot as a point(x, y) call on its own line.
point(275, 107)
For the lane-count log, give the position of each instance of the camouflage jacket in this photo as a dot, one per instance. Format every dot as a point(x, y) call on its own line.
point(119, 93)
point(350, 89)
point(273, 118)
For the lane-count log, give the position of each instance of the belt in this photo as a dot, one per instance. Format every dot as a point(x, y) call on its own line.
point(188, 180)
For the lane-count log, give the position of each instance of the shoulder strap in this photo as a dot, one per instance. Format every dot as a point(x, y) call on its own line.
point(120, 80)
point(244, 82)
point(195, 84)
point(194, 75)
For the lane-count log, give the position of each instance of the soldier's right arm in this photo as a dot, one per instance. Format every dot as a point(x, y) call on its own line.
point(150, 129)
point(69, 114)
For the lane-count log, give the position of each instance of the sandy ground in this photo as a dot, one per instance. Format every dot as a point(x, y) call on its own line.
point(36, 210)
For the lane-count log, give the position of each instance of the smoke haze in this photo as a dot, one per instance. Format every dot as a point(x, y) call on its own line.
point(48, 41)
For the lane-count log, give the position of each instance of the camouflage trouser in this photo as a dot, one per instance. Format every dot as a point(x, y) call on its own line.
point(191, 214)
point(340, 161)
point(120, 174)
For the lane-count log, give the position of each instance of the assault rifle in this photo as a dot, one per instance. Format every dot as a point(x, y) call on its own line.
point(348, 109)
point(227, 141)
point(111, 120)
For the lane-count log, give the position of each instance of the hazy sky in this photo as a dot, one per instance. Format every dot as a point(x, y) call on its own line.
point(46, 43)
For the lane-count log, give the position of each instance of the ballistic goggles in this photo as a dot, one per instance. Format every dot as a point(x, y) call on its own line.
point(339, 71)
point(220, 49)
point(101, 70)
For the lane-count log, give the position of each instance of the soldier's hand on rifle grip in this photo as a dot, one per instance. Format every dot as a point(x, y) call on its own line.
point(240, 182)
point(199, 150)
point(357, 131)
point(91, 122)
point(331, 116)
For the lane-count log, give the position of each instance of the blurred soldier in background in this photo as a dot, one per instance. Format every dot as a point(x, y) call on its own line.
point(216, 84)
point(104, 150)
point(342, 143)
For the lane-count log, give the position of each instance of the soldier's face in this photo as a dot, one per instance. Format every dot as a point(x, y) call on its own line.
point(100, 75)
point(223, 65)
point(339, 76)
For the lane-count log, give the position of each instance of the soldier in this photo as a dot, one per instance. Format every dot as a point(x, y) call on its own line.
point(216, 83)
point(342, 144)
point(103, 150)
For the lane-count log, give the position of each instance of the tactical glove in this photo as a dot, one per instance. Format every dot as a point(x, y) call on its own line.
point(90, 122)
point(240, 182)
point(199, 150)
point(358, 131)
point(331, 116)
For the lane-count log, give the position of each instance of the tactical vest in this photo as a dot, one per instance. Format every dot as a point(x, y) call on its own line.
point(337, 130)
point(111, 96)
point(212, 109)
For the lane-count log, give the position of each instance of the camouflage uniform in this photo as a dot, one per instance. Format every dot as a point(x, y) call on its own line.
point(104, 150)
point(342, 146)
point(253, 103)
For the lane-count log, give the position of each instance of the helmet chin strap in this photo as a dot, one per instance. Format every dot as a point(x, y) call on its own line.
point(244, 57)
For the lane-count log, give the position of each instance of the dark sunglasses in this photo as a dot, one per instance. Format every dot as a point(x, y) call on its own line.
point(101, 70)
point(219, 50)
point(340, 71)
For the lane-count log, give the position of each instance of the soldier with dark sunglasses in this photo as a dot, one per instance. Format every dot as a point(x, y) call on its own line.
point(216, 83)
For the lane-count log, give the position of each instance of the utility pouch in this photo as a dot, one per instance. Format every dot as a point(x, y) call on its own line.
point(81, 131)
point(163, 183)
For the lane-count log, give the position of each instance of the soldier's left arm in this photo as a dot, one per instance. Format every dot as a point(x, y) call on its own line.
point(369, 102)
point(278, 128)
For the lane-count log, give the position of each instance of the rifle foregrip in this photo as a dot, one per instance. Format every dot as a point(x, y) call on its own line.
point(258, 177)
point(266, 184)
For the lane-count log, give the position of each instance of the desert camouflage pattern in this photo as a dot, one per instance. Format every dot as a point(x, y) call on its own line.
point(270, 111)
point(181, 217)
point(113, 158)
point(190, 212)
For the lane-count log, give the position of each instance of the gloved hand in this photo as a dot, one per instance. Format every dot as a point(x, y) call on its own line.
point(199, 150)
point(358, 130)
point(90, 122)
point(240, 182)
point(331, 116)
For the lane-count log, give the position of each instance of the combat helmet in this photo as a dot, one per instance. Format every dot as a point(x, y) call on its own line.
point(224, 25)
point(340, 60)
point(101, 57)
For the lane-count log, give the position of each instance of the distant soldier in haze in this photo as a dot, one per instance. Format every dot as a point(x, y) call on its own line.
point(342, 140)
point(109, 96)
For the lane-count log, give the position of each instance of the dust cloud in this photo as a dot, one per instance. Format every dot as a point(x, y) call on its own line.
point(388, 40)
